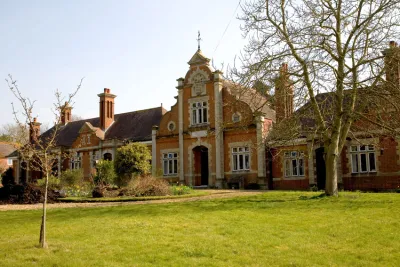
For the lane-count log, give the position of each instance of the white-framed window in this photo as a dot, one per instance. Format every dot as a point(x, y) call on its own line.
point(199, 112)
point(241, 158)
point(9, 162)
point(170, 163)
point(363, 158)
point(294, 163)
point(83, 140)
point(88, 139)
point(76, 161)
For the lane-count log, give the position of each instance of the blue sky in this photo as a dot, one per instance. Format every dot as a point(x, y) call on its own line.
point(136, 48)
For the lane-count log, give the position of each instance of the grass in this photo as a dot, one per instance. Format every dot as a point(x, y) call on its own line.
point(129, 198)
point(272, 229)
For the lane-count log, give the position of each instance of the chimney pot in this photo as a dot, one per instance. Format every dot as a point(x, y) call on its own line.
point(393, 44)
point(34, 119)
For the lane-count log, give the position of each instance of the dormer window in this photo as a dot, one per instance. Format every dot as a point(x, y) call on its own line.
point(83, 141)
point(88, 139)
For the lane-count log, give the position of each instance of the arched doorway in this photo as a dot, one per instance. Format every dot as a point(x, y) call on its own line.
point(200, 155)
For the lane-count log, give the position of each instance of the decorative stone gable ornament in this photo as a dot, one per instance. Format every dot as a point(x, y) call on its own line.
point(198, 79)
point(199, 87)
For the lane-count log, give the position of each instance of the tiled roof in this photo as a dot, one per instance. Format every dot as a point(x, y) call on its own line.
point(6, 149)
point(256, 101)
point(134, 126)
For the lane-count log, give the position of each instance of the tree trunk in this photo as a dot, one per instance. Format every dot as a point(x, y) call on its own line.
point(42, 239)
point(331, 160)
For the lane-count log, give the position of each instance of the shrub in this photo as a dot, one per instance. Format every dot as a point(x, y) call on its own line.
point(132, 159)
point(26, 194)
point(98, 191)
point(54, 182)
point(71, 177)
point(146, 186)
point(8, 177)
point(181, 190)
point(105, 173)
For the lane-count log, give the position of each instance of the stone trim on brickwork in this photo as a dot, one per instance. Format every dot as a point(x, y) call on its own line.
point(199, 142)
point(170, 150)
point(367, 141)
point(240, 144)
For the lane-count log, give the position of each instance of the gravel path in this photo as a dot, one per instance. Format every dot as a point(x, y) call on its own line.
point(214, 194)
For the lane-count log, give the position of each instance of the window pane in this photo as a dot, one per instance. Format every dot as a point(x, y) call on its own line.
point(354, 163)
point(363, 160)
point(241, 161)
point(205, 115)
point(247, 162)
point(234, 149)
point(362, 148)
point(301, 167)
point(194, 120)
point(170, 168)
point(235, 162)
point(287, 168)
point(165, 167)
point(199, 116)
point(294, 167)
point(371, 148)
point(372, 162)
point(354, 148)
point(175, 166)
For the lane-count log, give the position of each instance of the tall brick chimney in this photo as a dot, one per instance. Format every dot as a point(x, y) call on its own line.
point(283, 94)
point(34, 130)
point(66, 113)
point(392, 64)
point(106, 109)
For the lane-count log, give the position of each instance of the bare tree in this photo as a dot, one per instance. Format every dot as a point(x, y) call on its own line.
point(11, 132)
point(41, 152)
point(325, 46)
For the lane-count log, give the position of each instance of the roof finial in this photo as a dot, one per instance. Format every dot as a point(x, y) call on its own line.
point(198, 41)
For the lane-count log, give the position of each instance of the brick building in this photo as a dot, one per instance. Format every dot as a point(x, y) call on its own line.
point(212, 136)
point(367, 162)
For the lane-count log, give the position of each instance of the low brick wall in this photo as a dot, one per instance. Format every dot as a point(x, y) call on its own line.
point(291, 185)
point(371, 183)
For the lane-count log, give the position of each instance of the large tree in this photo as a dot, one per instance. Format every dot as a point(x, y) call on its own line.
point(41, 152)
point(328, 46)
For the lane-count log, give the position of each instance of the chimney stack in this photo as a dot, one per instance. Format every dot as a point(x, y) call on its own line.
point(106, 109)
point(392, 64)
point(34, 130)
point(283, 94)
point(66, 113)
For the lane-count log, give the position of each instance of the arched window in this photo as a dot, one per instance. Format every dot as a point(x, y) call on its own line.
point(107, 156)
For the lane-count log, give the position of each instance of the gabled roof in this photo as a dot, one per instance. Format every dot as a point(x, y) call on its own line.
point(134, 126)
point(256, 101)
point(198, 59)
point(6, 149)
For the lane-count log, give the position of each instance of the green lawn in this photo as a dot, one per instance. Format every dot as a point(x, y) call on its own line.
point(272, 229)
